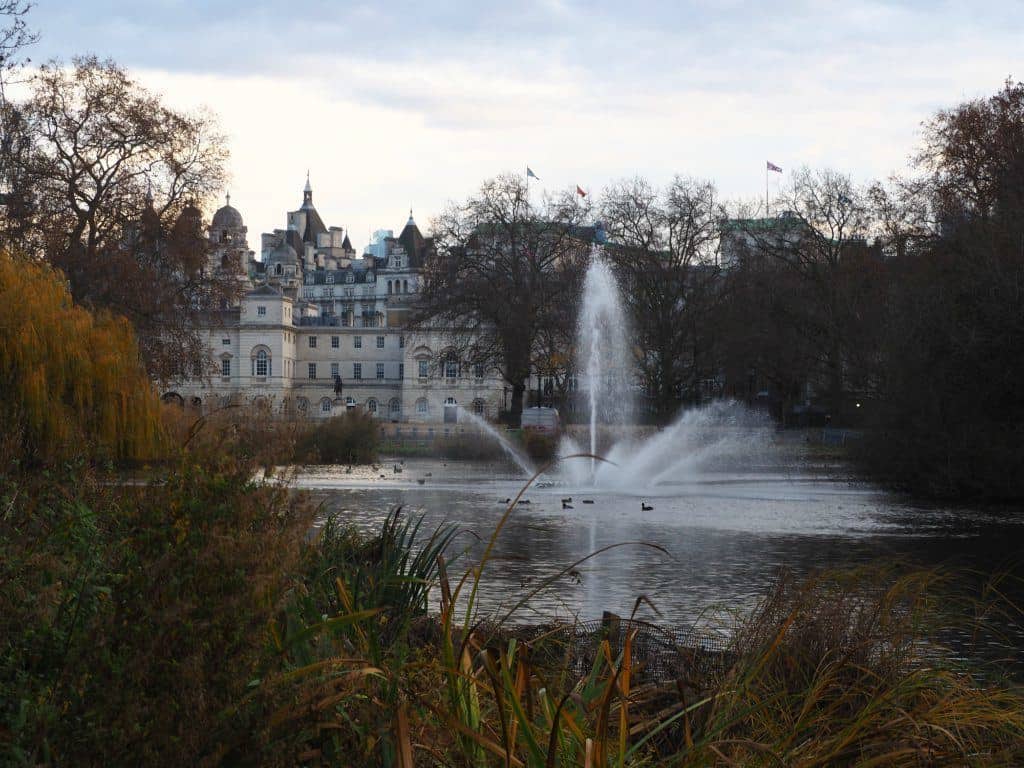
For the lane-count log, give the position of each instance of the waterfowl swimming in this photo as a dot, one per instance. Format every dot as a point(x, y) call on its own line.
point(645, 507)
point(567, 500)
point(588, 501)
point(567, 506)
point(420, 480)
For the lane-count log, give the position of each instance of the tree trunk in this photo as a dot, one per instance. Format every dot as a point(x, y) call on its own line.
point(516, 411)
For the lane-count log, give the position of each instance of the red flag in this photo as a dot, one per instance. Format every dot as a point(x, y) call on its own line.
point(773, 167)
point(580, 192)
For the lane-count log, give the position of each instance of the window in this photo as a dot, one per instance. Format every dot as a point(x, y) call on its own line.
point(349, 402)
point(226, 342)
point(478, 371)
point(335, 342)
point(312, 370)
point(330, 279)
point(401, 342)
point(424, 368)
point(380, 370)
point(380, 342)
point(358, 343)
point(405, 286)
point(390, 285)
point(334, 370)
point(262, 363)
point(261, 310)
point(451, 368)
point(395, 408)
point(312, 342)
point(348, 278)
point(421, 406)
point(357, 370)
point(325, 405)
point(401, 370)
point(478, 407)
point(371, 406)
point(225, 366)
point(449, 401)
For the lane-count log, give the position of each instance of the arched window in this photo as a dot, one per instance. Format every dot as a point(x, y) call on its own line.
point(451, 366)
point(405, 286)
point(421, 406)
point(261, 362)
point(389, 287)
point(478, 407)
point(371, 407)
point(325, 405)
point(395, 408)
point(450, 401)
point(279, 269)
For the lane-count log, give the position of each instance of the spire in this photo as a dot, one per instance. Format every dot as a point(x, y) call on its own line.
point(149, 194)
point(410, 221)
point(227, 198)
point(307, 193)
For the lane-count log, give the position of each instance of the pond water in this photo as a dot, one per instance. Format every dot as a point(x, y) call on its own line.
point(722, 535)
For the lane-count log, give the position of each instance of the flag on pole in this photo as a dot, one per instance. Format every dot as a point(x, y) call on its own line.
point(773, 167)
point(580, 192)
point(530, 174)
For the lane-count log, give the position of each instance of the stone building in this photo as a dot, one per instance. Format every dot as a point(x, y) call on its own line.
point(319, 328)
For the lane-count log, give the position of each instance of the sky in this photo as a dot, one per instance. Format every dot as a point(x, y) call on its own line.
point(398, 105)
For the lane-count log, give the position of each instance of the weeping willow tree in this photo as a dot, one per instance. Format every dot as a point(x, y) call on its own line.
point(71, 382)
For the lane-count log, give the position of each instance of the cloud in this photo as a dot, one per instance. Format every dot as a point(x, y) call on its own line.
point(411, 103)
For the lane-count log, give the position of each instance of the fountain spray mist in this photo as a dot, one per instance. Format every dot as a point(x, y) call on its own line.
point(521, 461)
point(604, 352)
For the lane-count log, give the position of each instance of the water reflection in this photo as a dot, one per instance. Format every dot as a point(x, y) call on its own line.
point(725, 535)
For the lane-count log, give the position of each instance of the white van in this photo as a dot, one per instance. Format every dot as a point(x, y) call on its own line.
point(541, 420)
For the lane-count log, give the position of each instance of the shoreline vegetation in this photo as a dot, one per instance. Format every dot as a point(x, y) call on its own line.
point(193, 620)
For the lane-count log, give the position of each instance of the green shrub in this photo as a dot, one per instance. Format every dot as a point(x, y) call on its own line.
point(539, 446)
point(347, 439)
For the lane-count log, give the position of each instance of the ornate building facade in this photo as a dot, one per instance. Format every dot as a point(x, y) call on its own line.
point(319, 328)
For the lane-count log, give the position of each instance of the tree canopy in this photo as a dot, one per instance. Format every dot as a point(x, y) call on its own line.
point(72, 381)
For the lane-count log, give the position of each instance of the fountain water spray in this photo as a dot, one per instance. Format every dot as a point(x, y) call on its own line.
point(604, 350)
point(521, 461)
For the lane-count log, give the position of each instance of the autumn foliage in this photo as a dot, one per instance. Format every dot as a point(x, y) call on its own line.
point(72, 381)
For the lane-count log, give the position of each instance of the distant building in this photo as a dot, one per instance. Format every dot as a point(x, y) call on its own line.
point(313, 314)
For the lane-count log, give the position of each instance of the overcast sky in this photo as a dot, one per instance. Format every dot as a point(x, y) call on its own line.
point(398, 104)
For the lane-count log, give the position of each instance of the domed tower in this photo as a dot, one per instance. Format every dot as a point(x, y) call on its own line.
point(227, 234)
point(283, 265)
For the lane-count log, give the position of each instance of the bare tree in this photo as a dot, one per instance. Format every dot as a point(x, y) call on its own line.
point(821, 240)
point(109, 178)
point(664, 245)
point(501, 273)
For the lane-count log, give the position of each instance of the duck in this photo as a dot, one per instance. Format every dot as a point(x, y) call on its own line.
point(429, 474)
point(645, 507)
point(588, 501)
point(506, 501)
point(567, 500)
point(524, 501)
point(421, 480)
point(567, 506)
point(382, 477)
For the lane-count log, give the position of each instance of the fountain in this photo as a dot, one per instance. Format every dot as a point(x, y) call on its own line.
point(699, 437)
point(510, 450)
point(605, 350)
